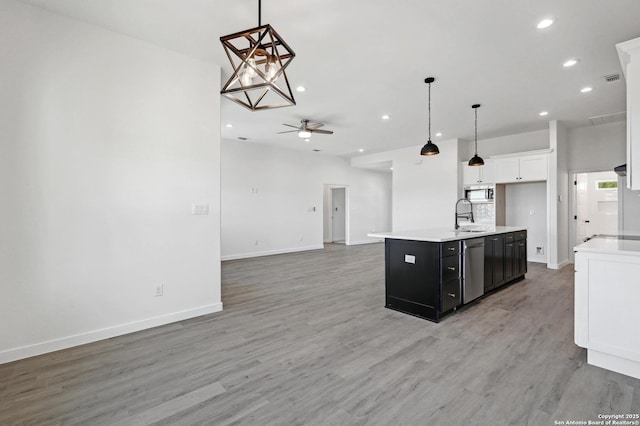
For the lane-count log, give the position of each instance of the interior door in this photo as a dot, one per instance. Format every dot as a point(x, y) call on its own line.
point(338, 215)
point(596, 204)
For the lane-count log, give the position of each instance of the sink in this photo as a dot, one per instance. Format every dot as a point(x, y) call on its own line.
point(473, 228)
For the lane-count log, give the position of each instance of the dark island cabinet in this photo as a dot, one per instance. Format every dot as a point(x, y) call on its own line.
point(494, 254)
point(505, 259)
point(423, 278)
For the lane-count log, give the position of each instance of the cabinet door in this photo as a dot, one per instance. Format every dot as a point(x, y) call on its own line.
point(498, 259)
point(507, 170)
point(533, 168)
point(488, 264)
point(488, 171)
point(470, 175)
point(520, 262)
point(509, 260)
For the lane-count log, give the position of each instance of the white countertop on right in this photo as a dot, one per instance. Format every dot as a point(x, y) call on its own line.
point(610, 246)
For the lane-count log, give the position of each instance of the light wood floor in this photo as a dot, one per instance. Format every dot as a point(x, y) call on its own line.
point(305, 339)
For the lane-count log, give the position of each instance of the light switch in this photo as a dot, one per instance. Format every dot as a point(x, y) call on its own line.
point(200, 209)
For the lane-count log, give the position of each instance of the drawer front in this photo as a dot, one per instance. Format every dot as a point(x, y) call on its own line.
point(451, 295)
point(450, 268)
point(520, 235)
point(509, 238)
point(451, 248)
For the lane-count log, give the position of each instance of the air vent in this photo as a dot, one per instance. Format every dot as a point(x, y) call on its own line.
point(608, 118)
point(242, 138)
point(611, 78)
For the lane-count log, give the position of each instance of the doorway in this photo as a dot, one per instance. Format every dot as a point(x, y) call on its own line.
point(595, 206)
point(338, 215)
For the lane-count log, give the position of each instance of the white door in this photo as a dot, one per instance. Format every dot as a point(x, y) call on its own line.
point(596, 204)
point(338, 215)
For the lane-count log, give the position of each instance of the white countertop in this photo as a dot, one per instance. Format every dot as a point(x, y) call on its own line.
point(610, 246)
point(439, 235)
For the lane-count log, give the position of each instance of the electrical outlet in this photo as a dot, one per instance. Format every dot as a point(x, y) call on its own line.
point(539, 250)
point(159, 290)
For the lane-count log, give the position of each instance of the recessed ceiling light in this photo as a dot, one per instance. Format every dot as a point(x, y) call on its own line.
point(545, 23)
point(570, 63)
point(229, 125)
point(307, 140)
point(361, 150)
point(586, 89)
point(543, 113)
point(385, 117)
point(438, 134)
point(301, 89)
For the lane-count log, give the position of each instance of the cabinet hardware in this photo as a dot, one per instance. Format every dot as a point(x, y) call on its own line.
point(521, 244)
point(452, 294)
point(494, 239)
point(451, 248)
point(451, 268)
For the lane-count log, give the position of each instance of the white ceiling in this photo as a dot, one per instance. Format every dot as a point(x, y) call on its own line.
point(362, 59)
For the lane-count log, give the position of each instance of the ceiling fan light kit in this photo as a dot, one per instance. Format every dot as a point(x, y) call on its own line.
point(259, 57)
point(429, 148)
point(476, 160)
point(306, 128)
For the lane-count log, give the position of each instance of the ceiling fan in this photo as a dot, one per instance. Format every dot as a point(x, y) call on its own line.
point(305, 129)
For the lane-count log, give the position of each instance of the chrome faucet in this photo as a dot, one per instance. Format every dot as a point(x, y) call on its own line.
point(466, 215)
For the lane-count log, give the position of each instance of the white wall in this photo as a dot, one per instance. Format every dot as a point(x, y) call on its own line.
point(269, 195)
point(424, 188)
point(106, 142)
point(597, 148)
point(521, 200)
point(521, 142)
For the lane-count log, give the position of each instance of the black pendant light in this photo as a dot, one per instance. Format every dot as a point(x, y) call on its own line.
point(429, 148)
point(476, 160)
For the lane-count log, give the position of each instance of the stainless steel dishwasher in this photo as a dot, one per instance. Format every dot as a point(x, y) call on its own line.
point(473, 269)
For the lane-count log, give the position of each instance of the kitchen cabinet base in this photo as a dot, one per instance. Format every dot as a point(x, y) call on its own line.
point(417, 310)
point(613, 363)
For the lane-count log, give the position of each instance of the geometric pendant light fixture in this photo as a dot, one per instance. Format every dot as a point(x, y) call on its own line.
point(429, 148)
point(259, 57)
point(476, 160)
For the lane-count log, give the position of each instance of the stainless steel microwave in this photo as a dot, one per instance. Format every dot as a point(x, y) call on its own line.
point(479, 193)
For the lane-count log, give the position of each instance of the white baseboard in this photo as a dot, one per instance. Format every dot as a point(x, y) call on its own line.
point(559, 265)
point(104, 333)
point(368, 241)
point(270, 252)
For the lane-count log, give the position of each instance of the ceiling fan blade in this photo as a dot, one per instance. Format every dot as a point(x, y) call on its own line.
point(314, 125)
point(289, 125)
point(322, 132)
point(288, 131)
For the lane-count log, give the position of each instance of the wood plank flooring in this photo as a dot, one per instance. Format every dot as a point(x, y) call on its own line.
point(304, 339)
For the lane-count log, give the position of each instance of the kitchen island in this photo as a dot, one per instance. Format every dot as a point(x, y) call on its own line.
point(432, 272)
point(607, 291)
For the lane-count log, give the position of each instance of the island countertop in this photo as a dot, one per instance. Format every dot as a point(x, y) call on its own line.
point(610, 246)
point(439, 235)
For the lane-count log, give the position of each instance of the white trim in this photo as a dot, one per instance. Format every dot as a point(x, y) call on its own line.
point(369, 241)
point(559, 265)
point(537, 259)
point(522, 153)
point(105, 333)
point(270, 252)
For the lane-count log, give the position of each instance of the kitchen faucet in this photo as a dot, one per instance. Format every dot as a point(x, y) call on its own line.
point(466, 215)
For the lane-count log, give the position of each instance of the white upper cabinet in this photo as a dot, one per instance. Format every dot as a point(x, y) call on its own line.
point(629, 53)
point(526, 168)
point(473, 175)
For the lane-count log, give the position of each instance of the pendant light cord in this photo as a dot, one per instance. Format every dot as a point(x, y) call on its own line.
point(476, 125)
point(429, 112)
point(259, 13)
